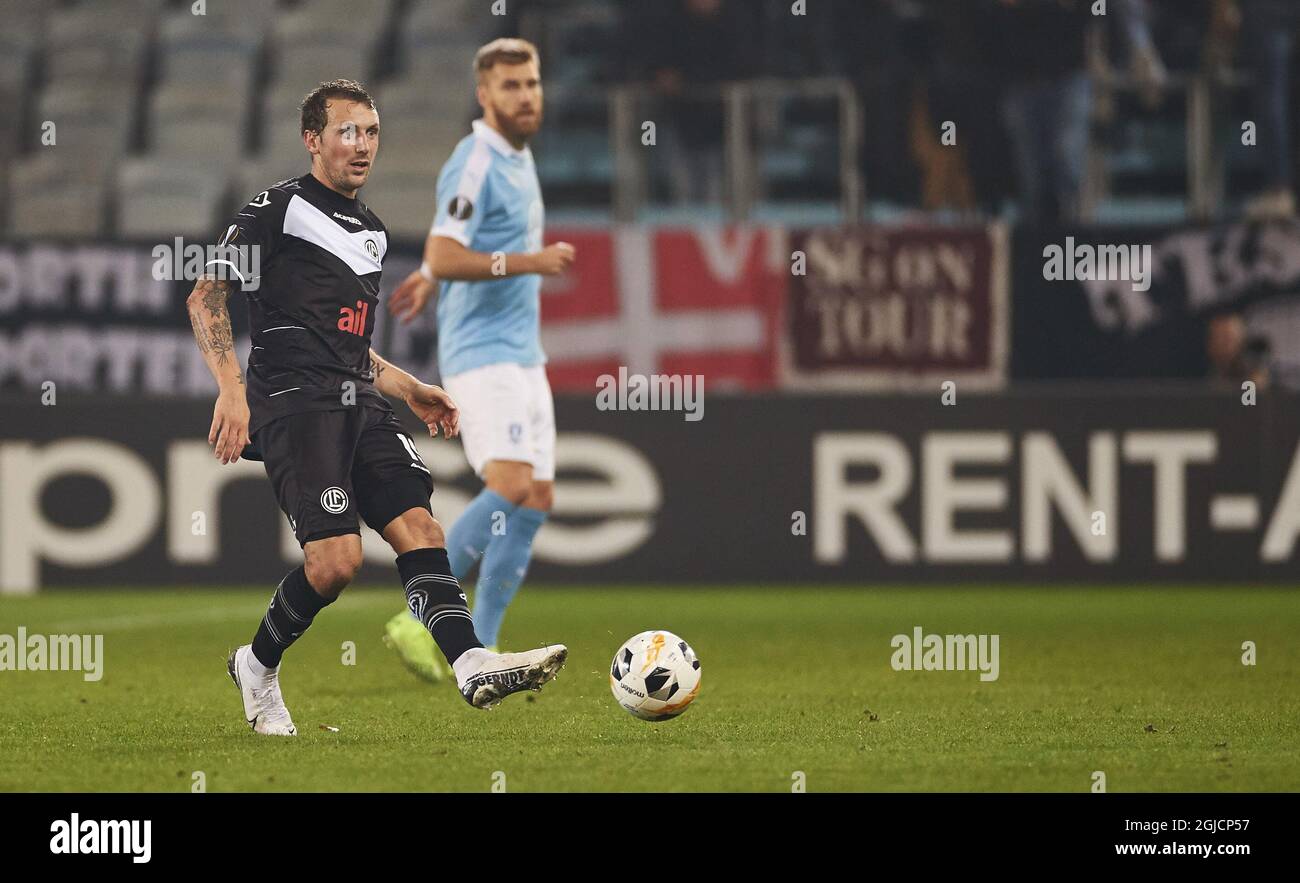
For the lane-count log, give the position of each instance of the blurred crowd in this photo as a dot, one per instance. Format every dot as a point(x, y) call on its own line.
point(1029, 81)
point(1017, 77)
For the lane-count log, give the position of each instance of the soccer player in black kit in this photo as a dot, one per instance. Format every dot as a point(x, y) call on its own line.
point(314, 411)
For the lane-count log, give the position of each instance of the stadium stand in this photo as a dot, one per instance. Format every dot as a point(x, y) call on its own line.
point(151, 81)
point(161, 199)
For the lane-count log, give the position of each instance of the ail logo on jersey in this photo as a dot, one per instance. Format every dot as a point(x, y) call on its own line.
point(353, 319)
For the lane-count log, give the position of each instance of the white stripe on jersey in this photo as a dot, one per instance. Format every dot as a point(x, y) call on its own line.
point(470, 188)
point(310, 224)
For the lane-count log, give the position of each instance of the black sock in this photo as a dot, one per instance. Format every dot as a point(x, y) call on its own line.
point(434, 596)
point(293, 606)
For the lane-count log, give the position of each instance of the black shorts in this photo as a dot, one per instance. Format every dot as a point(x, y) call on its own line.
point(329, 466)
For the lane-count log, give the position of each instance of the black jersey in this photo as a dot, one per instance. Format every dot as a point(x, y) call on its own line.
point(319, 257)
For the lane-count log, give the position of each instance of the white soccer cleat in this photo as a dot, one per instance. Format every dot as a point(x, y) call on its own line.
point(500, 674)
point(263, 705)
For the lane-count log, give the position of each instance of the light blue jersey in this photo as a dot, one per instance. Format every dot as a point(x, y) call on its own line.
point(489, 200)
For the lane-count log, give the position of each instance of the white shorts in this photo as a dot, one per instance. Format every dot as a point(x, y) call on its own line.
point(506, 413)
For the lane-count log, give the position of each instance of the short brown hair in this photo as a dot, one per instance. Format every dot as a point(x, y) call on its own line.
point(315, 107)
point(506, 50)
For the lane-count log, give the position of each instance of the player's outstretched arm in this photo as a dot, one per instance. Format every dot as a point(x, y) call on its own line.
point(428, 402)
point(453, 261)
point(445, 258)
point(210, 318)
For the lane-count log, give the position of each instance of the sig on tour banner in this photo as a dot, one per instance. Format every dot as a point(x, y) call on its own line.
point(897, 308)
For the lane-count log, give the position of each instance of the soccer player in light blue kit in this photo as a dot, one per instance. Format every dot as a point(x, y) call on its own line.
point(485, 251)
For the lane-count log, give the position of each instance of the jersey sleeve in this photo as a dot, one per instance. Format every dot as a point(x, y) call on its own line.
point(253, 235)
point(463, 196)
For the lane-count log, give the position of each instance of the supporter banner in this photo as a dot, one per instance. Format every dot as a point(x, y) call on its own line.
point(874, 307)
point(789, 490)
point(105, 318)
point(1130, 302)
point(98, 318)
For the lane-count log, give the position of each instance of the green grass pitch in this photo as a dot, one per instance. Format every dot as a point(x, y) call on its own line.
point(1145, 684)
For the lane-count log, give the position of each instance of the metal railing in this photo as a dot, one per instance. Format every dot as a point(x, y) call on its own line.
point(1206, 170)
point(742, 103)
point(1203, 92)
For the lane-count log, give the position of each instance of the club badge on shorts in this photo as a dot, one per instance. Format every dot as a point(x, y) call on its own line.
point(334, 500)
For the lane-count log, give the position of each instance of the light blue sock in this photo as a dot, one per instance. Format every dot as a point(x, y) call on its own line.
point(469, 537)
point(504, 566)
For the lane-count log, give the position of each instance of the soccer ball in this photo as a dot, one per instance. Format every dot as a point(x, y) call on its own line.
point(655, 675)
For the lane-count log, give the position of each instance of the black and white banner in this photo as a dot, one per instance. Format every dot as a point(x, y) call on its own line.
point(782, 489)
point(1074, 317)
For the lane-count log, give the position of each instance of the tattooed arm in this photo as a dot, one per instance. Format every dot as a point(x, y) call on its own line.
point(210, 318)
point(430, 403)
point(391, 380)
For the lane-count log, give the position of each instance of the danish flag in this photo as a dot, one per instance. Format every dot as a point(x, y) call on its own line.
point(673, 301)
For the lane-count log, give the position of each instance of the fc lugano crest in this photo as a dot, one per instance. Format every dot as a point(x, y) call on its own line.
point(334, 500)
point(460, 208)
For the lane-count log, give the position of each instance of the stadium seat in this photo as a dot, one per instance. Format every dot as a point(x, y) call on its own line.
point(164, 199)
point(50, 195)
point(82, 144)
point(16, 68)
point(285, 148)
point(71, 24)
point(25, 23)
point(194, 120)
point(281, 136)
point(124, 14)
point(97, 57)
point(417, 143)
point(87, 117)
point(438, 41)
point(448, 64)
point(15, 60)
point(442, 16)
point(334, 17)
point(223, 59)
point(71, 210)
point(182, 98)
point(323, 57)
point(411, 98)
point(244, 19)
point(81, 99)
point(107, 39)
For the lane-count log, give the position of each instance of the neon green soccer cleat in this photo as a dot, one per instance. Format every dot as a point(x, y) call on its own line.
point(415, 647)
